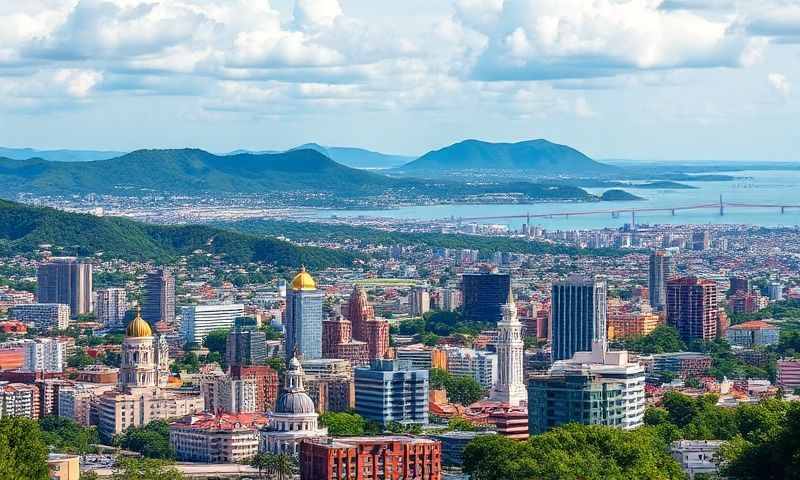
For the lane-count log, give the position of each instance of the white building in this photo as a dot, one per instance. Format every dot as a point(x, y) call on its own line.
point(200, 320)
point(696, 456)
point(43, 315)
point(75, 401)
point(110, 306)
point(221, 393)
point(419, 301)
point(480, 365)
point(44, 355)
point(510, 386)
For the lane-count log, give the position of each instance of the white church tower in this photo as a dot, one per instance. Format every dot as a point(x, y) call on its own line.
point(510, 386)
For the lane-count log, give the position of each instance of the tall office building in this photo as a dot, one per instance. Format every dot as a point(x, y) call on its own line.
point(594, 388)
point(111, 306)
point(158, 304)
point(484, 294)
point(739, 284)
point(304, 317)
point(66, 280)
point(200, 320)
point(246, 344)
point(693, 308)
point(391, 391)
point(510, 386)
point(578, 310)
point(419, 301)
point(662, 268)
point(701, 240)
point(366, 328)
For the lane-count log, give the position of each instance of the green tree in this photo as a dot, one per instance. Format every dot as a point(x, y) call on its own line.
point(145, 469)
point(664, 339)
point(216, 341)
point(79, 359)
point(152, 440)
point(23, 453)
point(66, 435)
point(278, 364)
point(464, 390)
point(343, 424)
point(274, 466)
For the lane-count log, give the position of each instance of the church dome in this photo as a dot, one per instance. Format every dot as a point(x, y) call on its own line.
point(303, 281)
point(138, 327)
point(294, 403)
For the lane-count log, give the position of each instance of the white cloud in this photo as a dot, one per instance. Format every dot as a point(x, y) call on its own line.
point(310, 14)
point(780, 84)
point(45, 90)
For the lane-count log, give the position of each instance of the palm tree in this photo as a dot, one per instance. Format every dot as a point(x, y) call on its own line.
point(261, 462)
point(282, 466)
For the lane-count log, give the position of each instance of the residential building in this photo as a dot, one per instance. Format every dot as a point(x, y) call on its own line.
point(679, 364)
point(367, 458)
point(626, 321)
point(158, 304)
point(111, 306)
point(600, 387)
point(578, 312)
point(45, 316)
point(422, 356)
point(510, 386)
point(77, 402)
point(391, 391)
point(480, 365)
point(44, 355)
point(295, 419)
point(662, 269)
point(693, 308)
point(756, 333)
point(449, 299)
point(419, 301)
point(697, 457)
point(701, 240)
point(304, 317)
point(200, 320)
point(266, 383)
point(789, 374)
point(329, 383)
point(220, 438)
point(66, 280)
point(739, 284)
point(19, 400)
point(483, 295)
point(63, 467)
point(221, 393)
point(775, 292)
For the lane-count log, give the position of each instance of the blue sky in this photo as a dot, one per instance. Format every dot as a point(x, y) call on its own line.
point(641, 79)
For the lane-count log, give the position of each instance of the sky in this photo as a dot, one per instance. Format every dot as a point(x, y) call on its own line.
point(625, 79)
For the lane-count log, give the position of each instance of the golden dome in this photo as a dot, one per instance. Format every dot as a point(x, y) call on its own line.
point(138, 327)
point(303, 281)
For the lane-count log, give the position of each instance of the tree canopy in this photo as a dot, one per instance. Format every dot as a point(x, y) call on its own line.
point(460, 389)
point(67, 436)
point(23, 453)
point(145, 469)
point(151, 440)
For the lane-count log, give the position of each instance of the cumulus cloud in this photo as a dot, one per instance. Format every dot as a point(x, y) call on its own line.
point(551, 39)
point(44, 90)
point(782, 23)
point(780, 84)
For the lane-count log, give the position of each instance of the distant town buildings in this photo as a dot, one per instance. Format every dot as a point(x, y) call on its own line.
point(578, 312)
point(304, 317)
point(66, 280)
point(45, 316)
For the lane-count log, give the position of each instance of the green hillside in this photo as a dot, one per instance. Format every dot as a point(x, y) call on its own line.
point(24, 228)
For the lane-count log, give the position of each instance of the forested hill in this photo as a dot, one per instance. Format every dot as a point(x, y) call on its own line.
point(24, 228)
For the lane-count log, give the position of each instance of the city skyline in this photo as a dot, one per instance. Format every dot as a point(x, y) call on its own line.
point(407, 77)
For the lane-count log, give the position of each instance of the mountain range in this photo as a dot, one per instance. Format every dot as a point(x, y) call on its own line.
point(58, 155)
point(23, 228)
point(539, 157)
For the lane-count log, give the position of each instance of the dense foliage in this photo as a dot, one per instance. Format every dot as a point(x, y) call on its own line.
point(151, 440)
point(307, 231)
point(460, 389)
point(573, 452)
point(23, 453)
point(67, 436)
point(348, 424)
point(145, 469)
point(663, 339)
point(24, 228)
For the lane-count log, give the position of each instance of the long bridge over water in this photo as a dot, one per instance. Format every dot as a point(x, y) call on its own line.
point(721, 206)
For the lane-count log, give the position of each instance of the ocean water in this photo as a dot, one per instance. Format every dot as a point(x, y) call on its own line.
point(767, 187)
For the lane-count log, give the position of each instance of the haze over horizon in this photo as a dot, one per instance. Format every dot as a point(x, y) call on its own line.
point(645, 80)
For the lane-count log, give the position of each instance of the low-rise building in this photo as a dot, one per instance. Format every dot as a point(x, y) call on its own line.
point(43, 315)
point(696, 456)
point(365, 458)
point(789, 374)
point(680, 364)
point(209, 438)
point(63, 467)
point(756, 333)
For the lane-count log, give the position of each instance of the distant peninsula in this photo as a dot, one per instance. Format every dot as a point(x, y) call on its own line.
point(664, 185)
point(617, 195)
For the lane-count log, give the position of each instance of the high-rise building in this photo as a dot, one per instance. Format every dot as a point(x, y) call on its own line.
point(693, 308)
point(66, 280)
point(246, 344)
point(200, 320)
point(390, 391)
point(43, 315)
point(44, 355)
point(775, 292)
point(295, 419)
point(595, 388)
point(337, 342)
point(111, 306)
point(158, 304)
point(362, 458)
point(510, 386)
point(329, 383)
point(662, 268)
point(366, 327)
point(701, 240)
point(449, 299)
point(419, 301)
point(222, 393)
point(739, 284)
point(484, 294)
point(578, 312)
point(266, 383)
point(304, 317)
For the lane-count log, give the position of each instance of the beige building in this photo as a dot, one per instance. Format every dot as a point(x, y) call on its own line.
point(140, 399)
point(224, 438)
point(64, 467)
point(77, 401)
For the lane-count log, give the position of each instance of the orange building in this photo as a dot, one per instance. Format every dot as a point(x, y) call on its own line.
point(369, 458)
point(626, 320)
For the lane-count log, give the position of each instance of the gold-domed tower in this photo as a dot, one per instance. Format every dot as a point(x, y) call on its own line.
point(138, 367)
point(303, 281)
point(138, 326)
point(303, 316)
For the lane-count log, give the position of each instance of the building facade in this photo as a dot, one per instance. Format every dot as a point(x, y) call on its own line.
point(419, 300)
point(304, 317)
point(751, 334)
point(338, 342)
point(44, 355)
point(510, 386)
point(111, 306)
point(366, 328)
point(391, 391)
point(484, 294)
point(210, 438)
point(66, 280)
point(246, 344)
point(44, 315)
point(693, 308)
point(158, 304)
point(579, 313)
point(662, 269)
point(200, 320)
